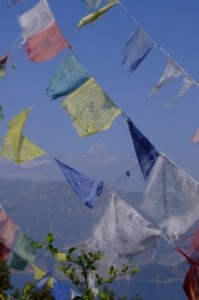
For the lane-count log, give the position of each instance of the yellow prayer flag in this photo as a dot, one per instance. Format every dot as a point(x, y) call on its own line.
point(16, 146)
point(60, 256)
point(90, 108)
point(96, 15)
point(40, 273)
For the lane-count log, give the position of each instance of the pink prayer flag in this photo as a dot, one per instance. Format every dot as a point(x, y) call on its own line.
point(46, 44)
point(196, 137)
point(7, 229)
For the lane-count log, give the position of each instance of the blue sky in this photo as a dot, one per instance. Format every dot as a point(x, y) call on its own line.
point(99, 47)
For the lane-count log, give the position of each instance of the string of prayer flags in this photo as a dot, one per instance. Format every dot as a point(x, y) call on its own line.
point(40, 33)
point(171, 72)
point(171, 199)
point(122, 232)
point(90, 108)
point(39, 274)
point(3, 61)
point(86, 188)
point(146, 153)
point(7, 229)
point(96, 15)
point(17, 147)
point(196, 137)
point(187, 83)
point(68, 77)
point(137, 48)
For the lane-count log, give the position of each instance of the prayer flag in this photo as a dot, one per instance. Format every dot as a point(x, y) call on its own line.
point(122, 233)
point(171, 72)
point(7, 229)
point(68, 77)
point(3, 61)
point(96, 15)
point(25, 247)
point(196, 137)
point(74, 294)
point(18, 262)
point(86, 188)
point(59, 290)
point(39, 274)
point(4, 251)
point(60, 256)
point(92, 4)
point(171, 199)
point(90, 108)
point(36, 20)
point(191, 282)
point(17, 147)
point(137, 48)
point(145, 151)
point(187, 83)
point(46, 44)
point(1, 113)
point(45, 280)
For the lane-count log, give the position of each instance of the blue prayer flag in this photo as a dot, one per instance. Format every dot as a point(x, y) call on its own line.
point(69, 76)
point(137, 48)
point(85, 187)
point(60, 291)
point(145, 151)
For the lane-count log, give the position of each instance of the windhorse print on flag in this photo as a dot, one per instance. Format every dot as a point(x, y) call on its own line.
point(90, 108)
point(43, 40)
point(16, 146)
point(86, 188)
point(171, 199)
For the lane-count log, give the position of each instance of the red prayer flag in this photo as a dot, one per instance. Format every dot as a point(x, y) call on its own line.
point(191, 283)
point(4, 252)
point(46, 44)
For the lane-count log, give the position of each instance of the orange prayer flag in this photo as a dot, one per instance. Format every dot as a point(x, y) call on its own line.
point(46, 44)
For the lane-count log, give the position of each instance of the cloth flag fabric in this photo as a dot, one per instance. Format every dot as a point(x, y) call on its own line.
point(60, 291)
point(86, 188)
point(96, 15)
point(24, 252)
point(40, 32)
point(122, 233)
point(36, 20)
point(1, 113)
point(4, 252)
point(74, 294)
point(39, 274)
point(187, 83)
point(92, 4)
point(90, 108)
point(7, 229)
point(68, 77)
point(18, 263)
point(196, 137)
point(3, 61)
point(171, 72)
point(171, 199)
point(25, 247)
point(137, 48)
point(17, 147)
point(191, 282)
point(46, 279)
point(145, 151)
point(46, 44)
